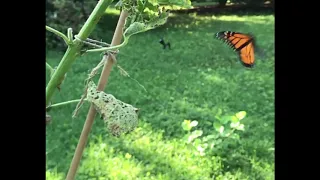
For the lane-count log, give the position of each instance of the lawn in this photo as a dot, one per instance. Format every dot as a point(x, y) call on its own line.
point(196, 79)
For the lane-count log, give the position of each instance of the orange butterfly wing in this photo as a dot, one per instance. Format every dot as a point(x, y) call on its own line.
point(242, 43)
point(247, 55)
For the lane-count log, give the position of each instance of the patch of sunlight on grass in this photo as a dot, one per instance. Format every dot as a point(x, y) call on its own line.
point(53, 175)
point(248, 19)
point(214, 78)
point(183, 103)
point(138, 154)
point(103, 161)
point(252, 19)
point(171, 152)
point(112, 11)
point(174, 7)
point(129, 168)
point(189, 32)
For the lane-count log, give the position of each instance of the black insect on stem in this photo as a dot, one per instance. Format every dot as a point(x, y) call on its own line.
point(165, 45)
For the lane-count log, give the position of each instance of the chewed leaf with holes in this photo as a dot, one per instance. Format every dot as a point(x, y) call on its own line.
point(120, 117)
point(138, 27)
point(135, 28)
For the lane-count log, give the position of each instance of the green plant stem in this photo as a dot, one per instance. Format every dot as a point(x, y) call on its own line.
point(70, 35)
point(65, 103)
point(74, 50)
point(49, 67)
point(109, 48)
point(60, 34)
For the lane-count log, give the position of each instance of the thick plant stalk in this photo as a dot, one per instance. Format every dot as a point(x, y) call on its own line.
point(74, 50)
point(116, 40)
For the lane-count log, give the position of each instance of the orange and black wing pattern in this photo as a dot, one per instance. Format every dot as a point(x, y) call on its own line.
point(241, 43)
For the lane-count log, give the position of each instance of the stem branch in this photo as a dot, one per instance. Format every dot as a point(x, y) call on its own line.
point(58, 33)
point(74, 50)
point(49, 67)
point(64, 103)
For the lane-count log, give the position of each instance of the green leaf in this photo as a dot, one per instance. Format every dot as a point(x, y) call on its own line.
point(186, 138)
point(186, 125)
point(135, 28)
point(194, 123)
point(197, 142)
point(211, 145)
point(140, 5)
point(234, 125)
point(217, 116)
point(235, 136)
point(158, 21)
point(225, 119)
point(151, 7)
point(221, 129)
point(128, 156)
point(234, 119)
point(271, 149)
point(202, 147)
point(153, 2)
point(138, 27)
point(194, 135)
point(209, 137)
point(218, 141)
point(202, 153)
point(217, 125)
point(226, 133)
point(240, 115)
point(240, 127)
point(197, 133)
point(219, 112)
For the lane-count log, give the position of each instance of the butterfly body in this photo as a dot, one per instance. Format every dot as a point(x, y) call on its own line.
point(242, 43)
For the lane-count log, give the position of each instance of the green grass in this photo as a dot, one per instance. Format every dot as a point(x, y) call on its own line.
point(199, 76)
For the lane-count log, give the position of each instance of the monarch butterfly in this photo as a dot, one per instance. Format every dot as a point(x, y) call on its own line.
point(244, 44)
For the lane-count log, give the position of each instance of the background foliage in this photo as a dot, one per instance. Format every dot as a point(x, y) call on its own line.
point(62, 14)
